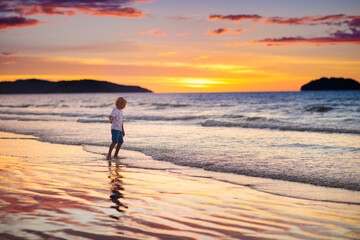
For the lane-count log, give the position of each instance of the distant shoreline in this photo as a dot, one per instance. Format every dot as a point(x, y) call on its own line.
point(331, 84)
point(37, 86)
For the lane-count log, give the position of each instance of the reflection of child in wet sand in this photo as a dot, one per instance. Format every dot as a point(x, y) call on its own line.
point(117, 126)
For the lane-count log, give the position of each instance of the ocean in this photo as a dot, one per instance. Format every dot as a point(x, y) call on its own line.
point(308, 138)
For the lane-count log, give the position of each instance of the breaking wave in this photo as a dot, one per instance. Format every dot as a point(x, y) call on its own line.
point(319, 109)
point(277, 125)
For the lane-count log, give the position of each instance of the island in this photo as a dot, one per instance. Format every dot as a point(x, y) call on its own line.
point(331, 84)
point(75, 86)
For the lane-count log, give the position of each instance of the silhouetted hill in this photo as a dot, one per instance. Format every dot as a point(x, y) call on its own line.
point(332, 84)
point(77, 86)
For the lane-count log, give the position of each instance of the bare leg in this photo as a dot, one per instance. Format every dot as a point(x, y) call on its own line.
point(117, 149)
point(110, 150)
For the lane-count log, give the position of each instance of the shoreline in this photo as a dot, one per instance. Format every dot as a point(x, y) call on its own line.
point(280, 187)
point(65, 191)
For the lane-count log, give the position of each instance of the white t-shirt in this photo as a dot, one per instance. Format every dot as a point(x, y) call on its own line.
point(118, 119)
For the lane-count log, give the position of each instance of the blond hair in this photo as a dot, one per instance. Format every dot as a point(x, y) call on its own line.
point(120, 102)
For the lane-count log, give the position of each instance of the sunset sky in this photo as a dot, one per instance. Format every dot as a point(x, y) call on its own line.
point(182, 45)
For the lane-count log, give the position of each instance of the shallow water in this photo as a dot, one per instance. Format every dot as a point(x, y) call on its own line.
point(305, 137)
point(54, 191)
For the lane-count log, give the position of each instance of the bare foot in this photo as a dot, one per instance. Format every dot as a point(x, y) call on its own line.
point(116, 157)
point(108, 157)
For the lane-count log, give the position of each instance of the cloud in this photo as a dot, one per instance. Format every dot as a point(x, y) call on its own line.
point(119, 8)
point(9, 62)
point(351, 35)
point(153, 32)
point(348, 34)
point(236, 18)
point(10, 54)
point(16, 11)
point(17, 21)
point(339, 37)
point(219, 31)
point(328, 19)
point(239, 30)
point(355, 22)
point(305, 20)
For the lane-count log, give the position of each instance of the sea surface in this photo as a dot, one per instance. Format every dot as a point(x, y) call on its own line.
point(300, 137)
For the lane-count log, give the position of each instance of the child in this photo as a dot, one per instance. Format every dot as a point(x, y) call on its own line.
point(117, 127)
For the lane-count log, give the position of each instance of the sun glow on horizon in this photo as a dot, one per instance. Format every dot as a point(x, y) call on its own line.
point(151, 45)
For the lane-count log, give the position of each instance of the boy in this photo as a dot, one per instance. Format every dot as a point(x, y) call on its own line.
point(117, 126)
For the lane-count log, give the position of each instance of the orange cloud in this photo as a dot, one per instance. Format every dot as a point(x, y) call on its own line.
point(122, 12)
point(219, 31)
point(10, 54)
point(153, 32)
point(9, 62)
point(236, 18)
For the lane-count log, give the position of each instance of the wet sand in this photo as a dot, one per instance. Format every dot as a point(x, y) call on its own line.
point(54, 191)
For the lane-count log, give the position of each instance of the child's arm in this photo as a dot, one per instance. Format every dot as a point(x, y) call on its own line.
point(123, 131)
point(111, 118)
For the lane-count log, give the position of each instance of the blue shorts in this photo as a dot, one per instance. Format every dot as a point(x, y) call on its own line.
point(117, 136)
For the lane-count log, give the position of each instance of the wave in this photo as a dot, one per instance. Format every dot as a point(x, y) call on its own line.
point(276, 126)
point(33, 105)
point(98, 106)
point(163, 118)
point(233, 116)
point(15, 106)
point(255, 118)
point(320, 109)
point(197, 161)
point(44, 114)
point(164, 105)
point(45, 106)
point(92, 121)
point(193, 160)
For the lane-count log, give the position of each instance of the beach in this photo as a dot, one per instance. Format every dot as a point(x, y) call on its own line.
point(57, 191)
point(237, 120)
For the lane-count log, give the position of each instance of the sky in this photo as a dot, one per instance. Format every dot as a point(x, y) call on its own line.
point(181, 45)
